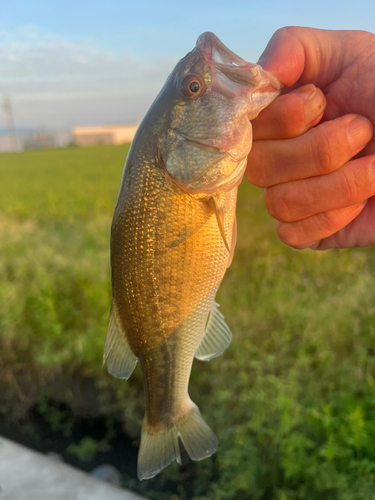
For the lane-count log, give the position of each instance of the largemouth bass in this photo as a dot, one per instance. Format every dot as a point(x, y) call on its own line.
point(173, 237)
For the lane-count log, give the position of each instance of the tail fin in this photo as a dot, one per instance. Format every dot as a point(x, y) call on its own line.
point(159, 449)
point(199, 440)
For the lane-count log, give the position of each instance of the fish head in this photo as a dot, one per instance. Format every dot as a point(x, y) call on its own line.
point(207, 104)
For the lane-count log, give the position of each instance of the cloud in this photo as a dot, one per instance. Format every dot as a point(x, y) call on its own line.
point(56, 82)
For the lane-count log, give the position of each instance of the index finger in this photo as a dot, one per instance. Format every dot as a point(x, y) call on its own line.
point(290, 115)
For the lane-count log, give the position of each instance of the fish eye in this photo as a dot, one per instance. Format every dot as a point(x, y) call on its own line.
point(192, 86)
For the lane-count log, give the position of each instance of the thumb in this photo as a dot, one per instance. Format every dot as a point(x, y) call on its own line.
point(304, 55)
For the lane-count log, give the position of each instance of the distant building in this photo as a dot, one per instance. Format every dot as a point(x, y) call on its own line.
point(93, 136)
point(39, 140)
point(42, 139)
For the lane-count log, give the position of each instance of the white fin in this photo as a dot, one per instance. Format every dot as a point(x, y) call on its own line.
point(193, 225)
point(121, 360)
point(216, 338)
point(219, 212)
point(234, 241)
point(159, 449)
point(197, 437)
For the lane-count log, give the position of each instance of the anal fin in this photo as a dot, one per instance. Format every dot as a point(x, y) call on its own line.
point(216, 338)
point(121, 360)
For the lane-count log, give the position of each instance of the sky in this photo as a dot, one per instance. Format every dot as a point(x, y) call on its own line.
point(102, 62)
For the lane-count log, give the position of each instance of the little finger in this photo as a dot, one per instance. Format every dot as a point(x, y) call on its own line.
point(306, 232)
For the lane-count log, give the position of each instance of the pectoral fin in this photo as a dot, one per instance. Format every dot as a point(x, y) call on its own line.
point(192, 226)
point(219, 212)
point(216, 338)
point(234, 241)
point(121, 360)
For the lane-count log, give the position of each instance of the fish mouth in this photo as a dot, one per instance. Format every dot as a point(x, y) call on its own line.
point(214, 50)
point(227, 62)
point(236, 69)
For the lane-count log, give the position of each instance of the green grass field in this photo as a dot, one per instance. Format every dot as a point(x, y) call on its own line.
point(293, 398)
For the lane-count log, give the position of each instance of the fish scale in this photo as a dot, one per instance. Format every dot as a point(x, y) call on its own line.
point(173, 237)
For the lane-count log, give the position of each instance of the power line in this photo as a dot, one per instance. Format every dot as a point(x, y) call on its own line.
point(9, 115)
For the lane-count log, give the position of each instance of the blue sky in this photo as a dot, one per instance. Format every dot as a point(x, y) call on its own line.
point(67, 63)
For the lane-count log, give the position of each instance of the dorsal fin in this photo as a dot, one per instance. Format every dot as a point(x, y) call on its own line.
point(121, 360)
point(216, 338)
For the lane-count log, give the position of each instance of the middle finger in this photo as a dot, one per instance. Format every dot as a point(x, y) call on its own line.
point(319, 151)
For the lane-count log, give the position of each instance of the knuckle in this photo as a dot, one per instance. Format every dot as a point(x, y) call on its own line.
point(322, 152)
point(349, 188)
point(326, 222)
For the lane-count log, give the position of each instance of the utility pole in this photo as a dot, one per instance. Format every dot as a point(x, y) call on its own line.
point(9, 114)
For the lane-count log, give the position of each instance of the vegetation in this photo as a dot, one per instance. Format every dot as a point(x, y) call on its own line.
point(293, 398)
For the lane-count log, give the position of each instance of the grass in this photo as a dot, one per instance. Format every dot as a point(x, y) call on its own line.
point(293, 398)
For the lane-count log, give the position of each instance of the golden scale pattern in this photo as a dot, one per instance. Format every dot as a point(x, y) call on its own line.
point(156, 316)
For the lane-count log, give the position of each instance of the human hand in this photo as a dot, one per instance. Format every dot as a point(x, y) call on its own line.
point(320, 196)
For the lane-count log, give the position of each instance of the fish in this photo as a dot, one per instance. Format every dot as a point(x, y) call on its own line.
point(173, 236)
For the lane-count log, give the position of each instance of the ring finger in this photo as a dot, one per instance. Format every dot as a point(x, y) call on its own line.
point(349, 185)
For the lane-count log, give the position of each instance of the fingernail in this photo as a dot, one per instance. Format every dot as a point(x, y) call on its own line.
point(314, 103)
point(358, 133)
point(306, 91)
